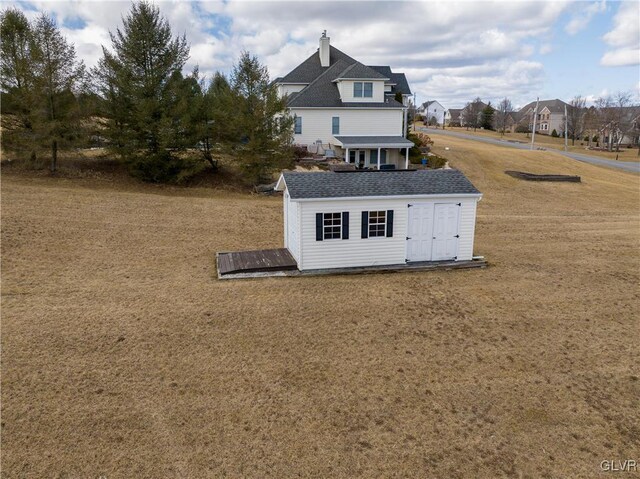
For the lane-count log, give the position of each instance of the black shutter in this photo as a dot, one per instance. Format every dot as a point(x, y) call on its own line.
point(389, 223)
point(318, 226)
point(345, 225)
point(365, 225)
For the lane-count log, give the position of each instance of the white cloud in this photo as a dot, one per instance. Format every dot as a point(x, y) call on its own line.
point(583, 16)
point(545, 49)
point(449, 50)
point(624, 38)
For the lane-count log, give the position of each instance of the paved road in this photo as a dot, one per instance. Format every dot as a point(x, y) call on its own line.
point(632, 166)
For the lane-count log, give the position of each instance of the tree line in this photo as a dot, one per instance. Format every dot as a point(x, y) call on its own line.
point(165, 125)
point(606, 123)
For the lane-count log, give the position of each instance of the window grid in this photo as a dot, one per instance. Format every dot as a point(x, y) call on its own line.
point(377, 223)
point(332, 225)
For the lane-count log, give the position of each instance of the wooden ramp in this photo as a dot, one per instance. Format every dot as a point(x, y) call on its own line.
point(263, 260)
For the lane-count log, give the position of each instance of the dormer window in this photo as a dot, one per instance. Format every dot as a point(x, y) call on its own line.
point(362, 89)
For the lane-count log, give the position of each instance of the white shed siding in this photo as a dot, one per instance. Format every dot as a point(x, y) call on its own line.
point(291, 226)
point(316, 123)
point(345, 87)
point(371, 251)
point(355, 251)
point(466, 229)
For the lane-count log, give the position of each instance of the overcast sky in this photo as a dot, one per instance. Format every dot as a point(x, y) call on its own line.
point(450, 51)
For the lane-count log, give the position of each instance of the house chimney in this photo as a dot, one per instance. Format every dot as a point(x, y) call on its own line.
point(324, 49)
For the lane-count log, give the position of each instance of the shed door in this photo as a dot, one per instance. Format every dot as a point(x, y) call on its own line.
point(445, 231)
point(419, 232)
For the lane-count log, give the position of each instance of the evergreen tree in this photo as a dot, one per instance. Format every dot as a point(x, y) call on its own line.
point(218, 122)
point(487, 117)
point(264, 126)
point(42, 82)
point(59, 77)
point(16, 83)
point(141, 83)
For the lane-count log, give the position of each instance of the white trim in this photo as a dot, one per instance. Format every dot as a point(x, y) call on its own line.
point(374, 145)
point(391, 197)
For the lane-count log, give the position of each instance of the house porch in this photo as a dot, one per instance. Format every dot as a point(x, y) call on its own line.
point(375, 152)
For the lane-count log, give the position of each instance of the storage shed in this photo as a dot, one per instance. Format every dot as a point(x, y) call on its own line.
point(353, 219)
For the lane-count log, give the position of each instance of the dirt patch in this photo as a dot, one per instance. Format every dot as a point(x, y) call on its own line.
point(123, 356)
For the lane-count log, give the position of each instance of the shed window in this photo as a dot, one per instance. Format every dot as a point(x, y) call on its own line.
point(377, 223)
point(298, 125)
point(331, 226)
point(335, 125)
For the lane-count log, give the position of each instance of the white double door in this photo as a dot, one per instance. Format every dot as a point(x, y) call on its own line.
point(433, 231)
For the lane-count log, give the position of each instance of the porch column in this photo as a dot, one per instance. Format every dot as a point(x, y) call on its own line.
point(406, 159)
point(346, 155)
point(379, 157)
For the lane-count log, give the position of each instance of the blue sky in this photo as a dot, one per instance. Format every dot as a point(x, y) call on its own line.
point(450, 51)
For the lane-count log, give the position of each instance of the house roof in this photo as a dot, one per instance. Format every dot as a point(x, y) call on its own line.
point(310, 69)
point(398, 80)
point(322, 92)
point(374, 141)
point(321, 185)
point(554, 106)
point(454, 113)
point(358, 71)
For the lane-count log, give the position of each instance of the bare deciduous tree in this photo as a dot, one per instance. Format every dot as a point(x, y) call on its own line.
point(471, 113)
point(575, 118)
point(505, 108)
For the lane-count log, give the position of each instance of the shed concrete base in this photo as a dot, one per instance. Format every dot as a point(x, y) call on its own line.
point(393, 268)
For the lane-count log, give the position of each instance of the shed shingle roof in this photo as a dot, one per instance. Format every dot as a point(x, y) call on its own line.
point(377, 183)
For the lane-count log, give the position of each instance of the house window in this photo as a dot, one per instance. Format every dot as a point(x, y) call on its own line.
point(335, 125)
point(362, 89)
point(373, 158)
point(298, 125)
point(377, 224)
point(383, 157)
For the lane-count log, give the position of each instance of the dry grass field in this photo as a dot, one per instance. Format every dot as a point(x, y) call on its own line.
point(124, 357)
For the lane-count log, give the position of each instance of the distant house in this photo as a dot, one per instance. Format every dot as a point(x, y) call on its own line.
point(467, 113)
point(454, 118)
point(375, 218)
point(342, 105)
point(550, 116)
point(433, 109)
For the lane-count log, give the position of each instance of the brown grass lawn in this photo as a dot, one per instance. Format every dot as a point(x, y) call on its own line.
point(547, 141)
point(123, 356)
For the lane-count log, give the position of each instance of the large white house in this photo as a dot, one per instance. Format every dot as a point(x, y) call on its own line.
point(342, 105)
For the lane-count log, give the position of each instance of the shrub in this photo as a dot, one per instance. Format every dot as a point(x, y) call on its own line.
point(554, 133)
point(164, 167)
point(595, 138)
point(586, 138)
point(522, 129)
point(300, 151)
